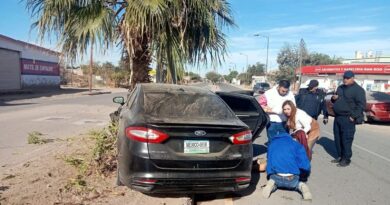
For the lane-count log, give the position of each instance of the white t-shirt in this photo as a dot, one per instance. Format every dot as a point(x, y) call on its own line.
point(275, 102)
point(303, 121)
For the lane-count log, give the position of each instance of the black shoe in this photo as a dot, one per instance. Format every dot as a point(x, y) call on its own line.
point(338, 160)
point(344, 163)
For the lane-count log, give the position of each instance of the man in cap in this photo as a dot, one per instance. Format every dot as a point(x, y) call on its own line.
point(311, 100)
point(349, 103)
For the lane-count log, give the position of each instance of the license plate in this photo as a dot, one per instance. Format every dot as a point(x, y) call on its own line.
point(196, 146)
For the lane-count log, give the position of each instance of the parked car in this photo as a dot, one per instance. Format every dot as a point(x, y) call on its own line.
point(175, 138)
point(377, 108)
point(260, 88)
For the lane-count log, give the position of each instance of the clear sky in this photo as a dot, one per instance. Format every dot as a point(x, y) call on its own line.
point(334, 27)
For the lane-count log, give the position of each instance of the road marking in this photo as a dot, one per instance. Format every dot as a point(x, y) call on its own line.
point(364, 149)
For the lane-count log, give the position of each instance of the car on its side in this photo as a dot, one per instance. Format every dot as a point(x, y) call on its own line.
point(260, 88)
point(377, 107)
point(176, 138)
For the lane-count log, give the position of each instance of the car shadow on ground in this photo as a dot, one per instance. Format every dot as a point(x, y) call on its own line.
point(379, 123)
point(328, 145)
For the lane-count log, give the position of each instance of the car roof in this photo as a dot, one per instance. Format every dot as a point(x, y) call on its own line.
point(159, 87)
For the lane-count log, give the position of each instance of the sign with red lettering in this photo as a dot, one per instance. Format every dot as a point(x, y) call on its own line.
point(357, 69)
point(34, 67)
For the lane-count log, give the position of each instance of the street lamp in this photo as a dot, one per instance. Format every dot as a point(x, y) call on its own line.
point(246, 59)
point(267, 37)
point(247, 67)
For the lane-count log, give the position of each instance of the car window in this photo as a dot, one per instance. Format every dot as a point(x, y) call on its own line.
point(186, 106)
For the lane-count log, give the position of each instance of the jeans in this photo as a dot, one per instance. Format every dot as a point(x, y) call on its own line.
point(344, 131)
point(291, 182)
point(275, 128)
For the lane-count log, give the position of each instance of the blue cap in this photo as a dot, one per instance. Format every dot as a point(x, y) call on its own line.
point(348, 74)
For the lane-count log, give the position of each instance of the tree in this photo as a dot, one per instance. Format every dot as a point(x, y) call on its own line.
point(244, 78)
point(288, 60)
point(193, 76)
point(213, 76)
point(322, 59)
point(231, 75)
point(257, 69)
point(292, 57)
point(174, 32)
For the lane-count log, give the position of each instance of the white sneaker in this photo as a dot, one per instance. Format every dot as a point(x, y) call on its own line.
point(269, 187)
point(305, 191)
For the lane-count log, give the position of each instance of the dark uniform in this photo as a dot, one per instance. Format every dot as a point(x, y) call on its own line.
point(348, 108)
point(312, 103)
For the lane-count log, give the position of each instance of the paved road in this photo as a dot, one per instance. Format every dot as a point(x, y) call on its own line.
point(58, 116)
point(365, 181)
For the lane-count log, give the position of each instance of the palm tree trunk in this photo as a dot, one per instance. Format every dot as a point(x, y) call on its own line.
point(140, 61)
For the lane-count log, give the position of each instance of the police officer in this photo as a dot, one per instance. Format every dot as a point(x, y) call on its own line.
point(349, 103)
point(311, 100)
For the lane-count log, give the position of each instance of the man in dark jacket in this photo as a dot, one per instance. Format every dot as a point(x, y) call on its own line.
point(286, 161)
point(349, 103)
point(311, 100)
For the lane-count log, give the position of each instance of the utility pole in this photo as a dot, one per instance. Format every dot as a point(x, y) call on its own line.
point(90, 69)
point(266, 64)
point(247, 66)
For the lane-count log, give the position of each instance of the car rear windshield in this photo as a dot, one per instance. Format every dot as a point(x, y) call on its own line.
point(186, 107)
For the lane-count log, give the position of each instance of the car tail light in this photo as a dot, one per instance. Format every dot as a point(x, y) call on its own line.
point(380, 106)
point(143, 134)
point(243, 179)
point(145, 181)
point(244, 137)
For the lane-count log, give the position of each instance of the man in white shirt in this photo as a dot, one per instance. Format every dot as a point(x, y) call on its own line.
point(275, 98)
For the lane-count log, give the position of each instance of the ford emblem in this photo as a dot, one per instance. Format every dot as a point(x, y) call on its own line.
point(200, 133)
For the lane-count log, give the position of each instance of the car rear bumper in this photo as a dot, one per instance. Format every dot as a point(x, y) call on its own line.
point(189, 185)
point(143, 175)
point(379, 116)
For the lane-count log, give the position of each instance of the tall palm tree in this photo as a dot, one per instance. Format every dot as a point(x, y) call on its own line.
point(175, 32)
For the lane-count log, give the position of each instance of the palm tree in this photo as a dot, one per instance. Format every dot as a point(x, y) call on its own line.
point(175, 32)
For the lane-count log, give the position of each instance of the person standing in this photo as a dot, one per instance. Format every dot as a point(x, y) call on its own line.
point(349, 103)
point(312, 101)
point(272, 102)
point(286, 161)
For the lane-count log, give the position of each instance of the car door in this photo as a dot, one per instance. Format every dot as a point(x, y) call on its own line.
point(247, 109)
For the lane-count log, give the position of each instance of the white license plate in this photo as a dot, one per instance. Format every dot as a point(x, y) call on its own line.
point(196, 146)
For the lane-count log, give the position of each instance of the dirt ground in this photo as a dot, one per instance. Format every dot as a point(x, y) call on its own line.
point(52, 179)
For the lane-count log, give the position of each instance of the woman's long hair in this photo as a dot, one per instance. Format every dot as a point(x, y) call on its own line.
point(291, 119)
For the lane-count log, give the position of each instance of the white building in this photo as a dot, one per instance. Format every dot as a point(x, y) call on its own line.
point(24, 65)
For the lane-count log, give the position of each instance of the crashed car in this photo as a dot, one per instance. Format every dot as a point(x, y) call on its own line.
point(186, 139)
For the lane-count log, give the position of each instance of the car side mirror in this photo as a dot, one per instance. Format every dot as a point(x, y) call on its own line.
point(119, 100)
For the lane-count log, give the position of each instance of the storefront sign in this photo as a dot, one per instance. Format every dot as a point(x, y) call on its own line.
point(34, 67)
point(358, 69)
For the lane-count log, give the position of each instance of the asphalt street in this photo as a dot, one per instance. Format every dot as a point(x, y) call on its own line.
point(56, 117)
point(365, 181)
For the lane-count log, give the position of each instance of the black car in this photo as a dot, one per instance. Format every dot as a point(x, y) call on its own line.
point(186, 139)
point(261, 88)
